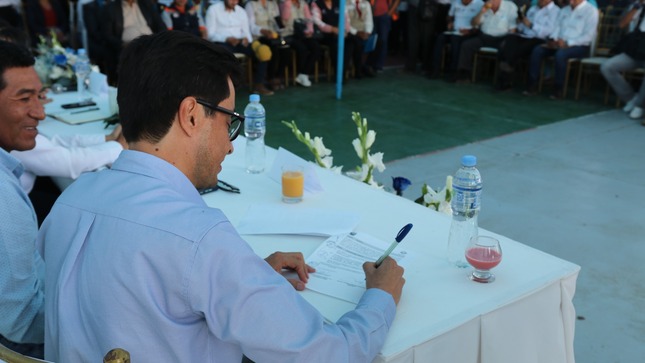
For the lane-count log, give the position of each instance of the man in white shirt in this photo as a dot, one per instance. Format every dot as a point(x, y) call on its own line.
point(532, 29)
point(496, 19)
point(227, 24)
point(627, 60)
point(459, 28)
point(575, 29)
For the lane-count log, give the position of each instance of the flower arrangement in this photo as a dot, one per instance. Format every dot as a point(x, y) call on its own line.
point(321, 154)
point(362, 146)
point(437, 200)
point(55, 63)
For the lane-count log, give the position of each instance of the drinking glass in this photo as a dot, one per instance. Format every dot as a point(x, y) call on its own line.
point(483, 253)
point(293, 182)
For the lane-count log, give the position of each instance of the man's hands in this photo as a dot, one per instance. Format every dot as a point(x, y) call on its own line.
point(387, 277)
point(291, 261)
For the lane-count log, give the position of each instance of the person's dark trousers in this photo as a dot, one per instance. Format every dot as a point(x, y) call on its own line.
point(357, 54)
point(561, 57)
point(382, 26)
point(439, 25)
point(470, 46)
point(331, 41)
point(515, 47)
point(260, 72)
point(418, 37)
point(28, 349)
point(455, 45)
point(307, 53)
point(511, 51)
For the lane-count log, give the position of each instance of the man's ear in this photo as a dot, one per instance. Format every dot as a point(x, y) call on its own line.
point(187, 115)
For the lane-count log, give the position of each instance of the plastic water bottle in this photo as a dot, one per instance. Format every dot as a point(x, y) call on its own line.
point(465, 203)
point(254, 130)
point(82, 70)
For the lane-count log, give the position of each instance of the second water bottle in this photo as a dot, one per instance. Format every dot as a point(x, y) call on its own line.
point(465, 203)
point(254, 130)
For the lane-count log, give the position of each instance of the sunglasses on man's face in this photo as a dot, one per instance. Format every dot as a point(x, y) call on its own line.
point(236, 119)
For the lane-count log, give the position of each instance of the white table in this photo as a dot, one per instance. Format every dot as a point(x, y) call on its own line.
point(525, 316)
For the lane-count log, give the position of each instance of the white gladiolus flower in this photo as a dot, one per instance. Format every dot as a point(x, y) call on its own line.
point(376, 160)
point(445, 208)
point(320, 147)
point(358, 148)
point(371, 137)
point(307, 137)
point(449, 182)
point(56, 73)
point(337, 169)
point(328, 161)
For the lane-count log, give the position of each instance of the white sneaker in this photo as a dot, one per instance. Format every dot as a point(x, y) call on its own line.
point(303, 80)
point(636, 113)
point(629, 106)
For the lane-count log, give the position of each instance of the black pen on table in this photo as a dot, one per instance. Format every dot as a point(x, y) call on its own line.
point(82, 111)
point(399, 237)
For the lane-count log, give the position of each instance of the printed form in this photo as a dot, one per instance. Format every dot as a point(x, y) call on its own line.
point(339, 264)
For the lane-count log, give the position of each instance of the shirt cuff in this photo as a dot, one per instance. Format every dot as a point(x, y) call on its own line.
point(381, 300)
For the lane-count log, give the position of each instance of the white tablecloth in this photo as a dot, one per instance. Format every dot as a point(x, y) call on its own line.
point(525, 316)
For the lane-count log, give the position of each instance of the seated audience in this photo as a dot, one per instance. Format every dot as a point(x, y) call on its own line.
point(184, 16)
point(459, 26)
point(228, 25)
point(301, 41)
point(575, 29)
point(533, 28)
point(44, 17)
point(628, 59)
point(21, 267)
point(325, 14)
point(65, 157)
point(263, 21)
point(495, 20)
point(136, 246)
point(123, 21)
point(361, 25)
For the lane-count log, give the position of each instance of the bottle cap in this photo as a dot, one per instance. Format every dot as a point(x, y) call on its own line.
point(254, 97)
point(468, 160)
point(81, 51)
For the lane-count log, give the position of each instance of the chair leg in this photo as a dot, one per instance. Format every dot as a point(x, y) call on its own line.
point(473, 76)
point(541, 77)
point(249, 70)
point(293, 66)
point(578, 81)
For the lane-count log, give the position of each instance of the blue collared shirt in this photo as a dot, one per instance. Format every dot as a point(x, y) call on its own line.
point(21, 268)
point(136, 260)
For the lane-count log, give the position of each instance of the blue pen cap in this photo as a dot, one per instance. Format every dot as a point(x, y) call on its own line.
point(468, 160)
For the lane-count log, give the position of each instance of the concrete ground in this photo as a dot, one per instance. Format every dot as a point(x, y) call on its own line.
point(574, 189)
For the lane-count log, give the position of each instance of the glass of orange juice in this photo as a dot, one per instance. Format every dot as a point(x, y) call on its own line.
point(293, 183)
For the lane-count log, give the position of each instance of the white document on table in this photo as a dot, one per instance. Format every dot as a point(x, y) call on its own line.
point(339, 264)
point(294, 219)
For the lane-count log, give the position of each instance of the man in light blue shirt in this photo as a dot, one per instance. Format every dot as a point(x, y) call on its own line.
point(136, 259)
point(21, 268)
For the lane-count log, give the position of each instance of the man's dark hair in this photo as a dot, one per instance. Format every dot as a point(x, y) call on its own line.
point(158, 71)
point(13, 56)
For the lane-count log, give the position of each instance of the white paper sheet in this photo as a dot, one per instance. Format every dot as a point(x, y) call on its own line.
point(295, 219)
point(339, 264)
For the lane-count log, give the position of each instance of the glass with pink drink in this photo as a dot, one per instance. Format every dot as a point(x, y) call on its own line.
point(483, 253)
